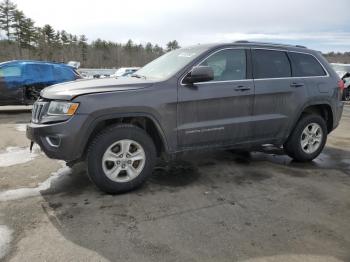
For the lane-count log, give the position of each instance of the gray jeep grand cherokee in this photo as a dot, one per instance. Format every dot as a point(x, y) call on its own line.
point(238, 95)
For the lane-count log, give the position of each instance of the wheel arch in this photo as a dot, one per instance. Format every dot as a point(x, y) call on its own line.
point(143, 120)
point(322, 108)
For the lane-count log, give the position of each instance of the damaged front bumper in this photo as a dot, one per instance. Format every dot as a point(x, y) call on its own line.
point(62, 140)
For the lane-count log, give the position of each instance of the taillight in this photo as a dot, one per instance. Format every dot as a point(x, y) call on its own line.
point(341, 85)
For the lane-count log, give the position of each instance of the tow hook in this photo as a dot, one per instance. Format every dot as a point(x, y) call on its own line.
point(31, 146)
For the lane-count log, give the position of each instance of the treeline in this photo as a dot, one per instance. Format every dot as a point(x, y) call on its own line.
point(343, 58)
point(22, 39)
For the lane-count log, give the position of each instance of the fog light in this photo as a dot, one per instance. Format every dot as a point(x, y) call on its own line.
point(53, 141)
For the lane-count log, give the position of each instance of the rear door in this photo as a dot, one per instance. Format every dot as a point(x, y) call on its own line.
point(277, 94)
point(39, 75)
point(218, 111)
point(308, 71)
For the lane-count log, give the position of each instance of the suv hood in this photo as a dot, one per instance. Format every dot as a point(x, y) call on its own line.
point(69, 90)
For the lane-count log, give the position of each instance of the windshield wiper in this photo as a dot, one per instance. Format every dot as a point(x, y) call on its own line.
point(138, 76)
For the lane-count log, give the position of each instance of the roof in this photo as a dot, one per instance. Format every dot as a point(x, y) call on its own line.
point(246, 43)
point(32, 61)
point(267, 44)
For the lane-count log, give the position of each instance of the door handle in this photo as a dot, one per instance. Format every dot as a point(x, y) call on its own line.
point(242, 88)
point(297, 84)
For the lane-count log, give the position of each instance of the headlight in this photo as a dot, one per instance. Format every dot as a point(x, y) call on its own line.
point(62, 108)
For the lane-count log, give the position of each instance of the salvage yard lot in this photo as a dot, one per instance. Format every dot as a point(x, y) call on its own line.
point(213, 206)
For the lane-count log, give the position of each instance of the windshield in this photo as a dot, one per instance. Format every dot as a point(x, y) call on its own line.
point(170, 63)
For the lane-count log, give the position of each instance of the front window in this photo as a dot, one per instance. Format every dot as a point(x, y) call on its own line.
point(227, 64)
point(170, 63)
point(63, 74)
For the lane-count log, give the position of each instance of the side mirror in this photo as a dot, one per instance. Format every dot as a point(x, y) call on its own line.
point(199, 74)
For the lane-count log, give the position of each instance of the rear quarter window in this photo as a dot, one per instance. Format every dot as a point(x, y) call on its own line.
point(304, 65)
point(270, 64)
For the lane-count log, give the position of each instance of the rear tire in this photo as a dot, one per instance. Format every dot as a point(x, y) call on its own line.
point(346, 95)
point(121, 158)
point(308, 138)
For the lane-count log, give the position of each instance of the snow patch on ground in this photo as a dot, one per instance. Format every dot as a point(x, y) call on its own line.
point(21, 127)
point(17, 155)
point(5, 239)
point(20, 193)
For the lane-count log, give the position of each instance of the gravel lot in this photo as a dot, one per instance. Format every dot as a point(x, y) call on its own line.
point(216, 206)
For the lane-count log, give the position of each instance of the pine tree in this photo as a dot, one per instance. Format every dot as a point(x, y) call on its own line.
point(49, 33)
point(149, 47)
point(129, 45)
point(57, 38)
point(157, 50)
point(64, 38)
point(74, 40)
point(19, 26)
point(83, 47)
point(29, 35)
point(7, 9)
point(172, 45)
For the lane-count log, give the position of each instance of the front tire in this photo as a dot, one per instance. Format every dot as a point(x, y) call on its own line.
point(121, 158)
point(307, 139)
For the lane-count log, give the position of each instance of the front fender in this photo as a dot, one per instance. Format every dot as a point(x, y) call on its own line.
point(94, 123)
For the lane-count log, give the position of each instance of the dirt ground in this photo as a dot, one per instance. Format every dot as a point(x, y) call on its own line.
point(215, 206)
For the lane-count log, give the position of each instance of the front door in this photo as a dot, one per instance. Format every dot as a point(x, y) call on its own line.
point(11, 91)
point(217, 112)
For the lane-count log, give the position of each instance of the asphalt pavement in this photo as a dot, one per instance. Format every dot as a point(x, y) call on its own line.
point(215, 206)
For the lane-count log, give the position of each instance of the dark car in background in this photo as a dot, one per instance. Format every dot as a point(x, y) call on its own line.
point(21, 81)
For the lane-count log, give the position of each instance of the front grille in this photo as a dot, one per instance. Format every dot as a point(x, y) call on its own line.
point(38, 111)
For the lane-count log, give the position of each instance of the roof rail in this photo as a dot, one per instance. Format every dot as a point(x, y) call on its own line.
point(241, 41)
point(266, 43)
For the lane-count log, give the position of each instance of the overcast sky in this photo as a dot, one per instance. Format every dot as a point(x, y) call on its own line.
point(318, 24)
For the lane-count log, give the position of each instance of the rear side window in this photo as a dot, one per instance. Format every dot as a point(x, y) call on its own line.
point(270, 64)
point(39, 73)
point(305, 65)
